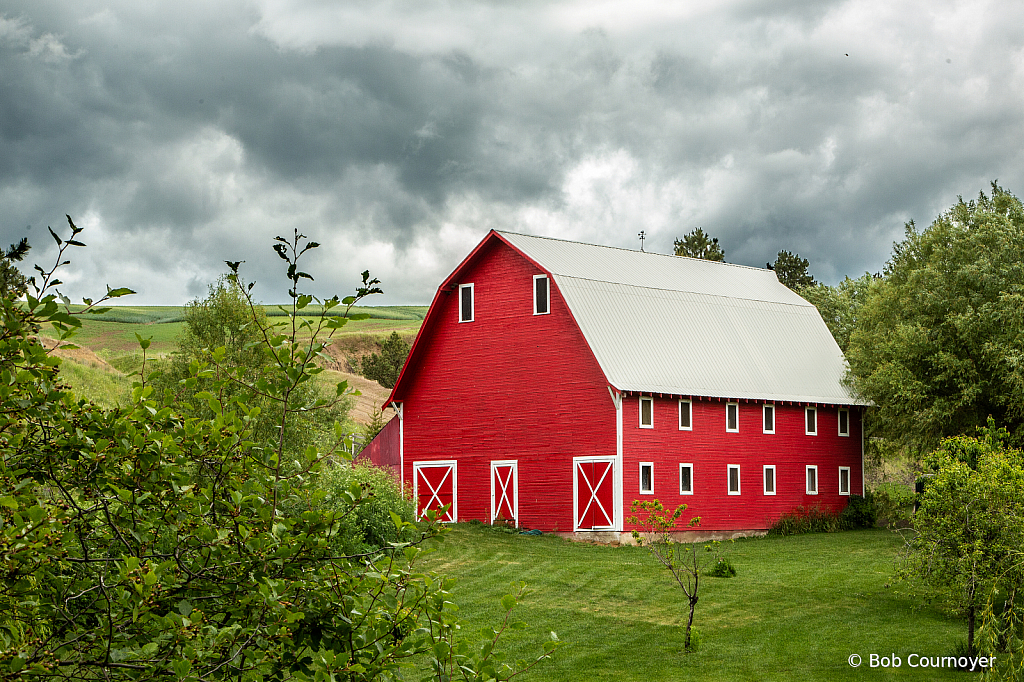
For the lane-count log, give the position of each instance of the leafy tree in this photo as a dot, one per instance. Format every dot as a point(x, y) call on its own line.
point(686, 562)
point(939, 342)
point(385, 367)
point(168, 540)
point(791, 270)
point(969, 529)
point(839, 306)
point(699, 245)
point(12, 282)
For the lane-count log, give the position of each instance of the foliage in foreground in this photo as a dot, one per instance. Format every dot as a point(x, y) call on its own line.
point(966, 549)
point(166, 540)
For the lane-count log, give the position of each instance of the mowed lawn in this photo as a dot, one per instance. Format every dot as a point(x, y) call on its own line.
point(798, 608)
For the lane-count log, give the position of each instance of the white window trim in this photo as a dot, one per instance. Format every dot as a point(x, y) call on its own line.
point(839, 423)
point(641, 480)
point(727, 429)
point(547, 289)
point(453, 514)
point(764, 479)
point(689, 407)
point(817, 483)
point(472, 302)
point(728, 478)
point(809, 410)
point(681, 467)
point(514, 464)
point(764, 409)
point(849, 480)
point(640, 412)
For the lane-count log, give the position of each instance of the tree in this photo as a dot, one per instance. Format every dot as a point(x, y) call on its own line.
point(840, 306)
point(12, 282)
point(686, 562)
point(385, 367)
point(167, 540)
point(791, 270)
point(969, 530)
point(939, 342)
point(699, 245)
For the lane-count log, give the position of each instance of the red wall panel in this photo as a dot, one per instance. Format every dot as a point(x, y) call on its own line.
point(711, 449)
point(508, 385)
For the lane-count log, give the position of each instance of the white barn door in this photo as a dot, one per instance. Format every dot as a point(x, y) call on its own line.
point(594, 493)
point(505, 492)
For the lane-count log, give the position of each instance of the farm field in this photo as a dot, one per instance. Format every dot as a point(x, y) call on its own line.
point(797, 609)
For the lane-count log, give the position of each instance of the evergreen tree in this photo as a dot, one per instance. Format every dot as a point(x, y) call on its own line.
point(699, 245)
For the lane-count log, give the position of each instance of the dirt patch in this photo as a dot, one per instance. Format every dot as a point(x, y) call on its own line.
point(81, 355)
point(373, 396)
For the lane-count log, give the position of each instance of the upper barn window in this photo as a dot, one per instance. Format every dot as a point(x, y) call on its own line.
point(732, 417)
point(844, 422)
point(811, 421)
point(465, 303)
point(646, 413)
point(541, 295)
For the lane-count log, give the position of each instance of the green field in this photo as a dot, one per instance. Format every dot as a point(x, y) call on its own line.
point(798, 608)
point(114, 332)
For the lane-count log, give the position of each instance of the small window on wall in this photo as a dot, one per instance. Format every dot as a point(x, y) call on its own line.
point(541, 295)
point(769, 479)
point(844, 422)
point(465, 303)
point(685, 479)
point(646, 478)
point(812, 479)
point(646, 413)
point(844, 480)
point(811, 420)
point(734, 479)
point(685, 415)
point(732, 417)
point(769, 419)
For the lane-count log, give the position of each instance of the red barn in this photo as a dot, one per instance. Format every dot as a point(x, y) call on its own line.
point(553, 383)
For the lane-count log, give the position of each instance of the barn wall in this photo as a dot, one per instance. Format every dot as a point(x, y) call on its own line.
point(384, 451)
point(510, 385)
point(711, 449)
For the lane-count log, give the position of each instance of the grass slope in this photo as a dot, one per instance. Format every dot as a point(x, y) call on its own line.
point(797, 609)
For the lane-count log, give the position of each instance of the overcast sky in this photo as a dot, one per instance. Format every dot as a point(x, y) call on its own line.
point(183, 134)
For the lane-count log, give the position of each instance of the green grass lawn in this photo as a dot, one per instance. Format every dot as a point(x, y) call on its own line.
point(797, 609)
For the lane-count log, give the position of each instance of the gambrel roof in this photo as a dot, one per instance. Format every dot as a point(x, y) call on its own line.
point(671, 325)
point(684, 326)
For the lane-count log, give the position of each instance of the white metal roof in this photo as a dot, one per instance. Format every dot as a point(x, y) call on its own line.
point(683, 326)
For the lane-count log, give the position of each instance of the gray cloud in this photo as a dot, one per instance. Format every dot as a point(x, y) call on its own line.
point(190, 133)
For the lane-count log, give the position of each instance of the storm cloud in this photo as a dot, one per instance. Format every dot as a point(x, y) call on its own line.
point(184, 134)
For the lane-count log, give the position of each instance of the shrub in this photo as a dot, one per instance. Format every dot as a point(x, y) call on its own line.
point(860, 512)
point(369, 526)
point(894, 503)
point(723, 568)
point(804, 520)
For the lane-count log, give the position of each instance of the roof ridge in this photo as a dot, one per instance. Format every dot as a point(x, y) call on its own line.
point(620, 248)
point(807, 304)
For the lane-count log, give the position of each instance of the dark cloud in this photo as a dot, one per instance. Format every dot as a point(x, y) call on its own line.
point(186, 134)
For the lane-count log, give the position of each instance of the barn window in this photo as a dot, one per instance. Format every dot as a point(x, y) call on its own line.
point(769, 479)
point(646, 413)
point(734, 479)
point(465, 303)
point(732, 417)
point(844, 422)
point(844, 480)
point(811, 419)
point(685, 415)
point(769, 418)
point(685, 479)
point(541, 295)
point(646, 478)
point(812, 479)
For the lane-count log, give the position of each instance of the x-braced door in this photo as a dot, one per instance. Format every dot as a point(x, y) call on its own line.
point(435, 486)
point(594, 490)
point(505, 492)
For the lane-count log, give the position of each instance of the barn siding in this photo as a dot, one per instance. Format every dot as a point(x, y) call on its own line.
point(711, 449)
point(510, 385)
point(384, 450)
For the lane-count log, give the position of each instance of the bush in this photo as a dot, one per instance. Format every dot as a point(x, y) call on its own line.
point(894, 503)
point(804, 520)
point(860, 512)
point(369, 526)
point(723, 568)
